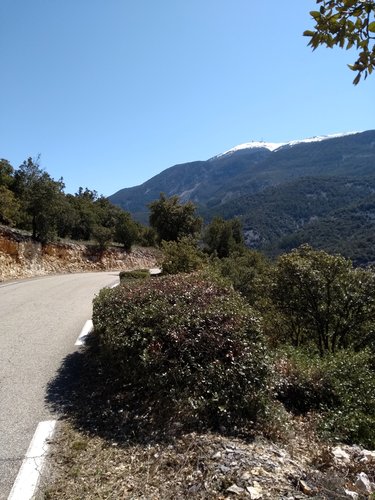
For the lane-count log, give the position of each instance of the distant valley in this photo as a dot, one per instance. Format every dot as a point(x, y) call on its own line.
point(319, 190)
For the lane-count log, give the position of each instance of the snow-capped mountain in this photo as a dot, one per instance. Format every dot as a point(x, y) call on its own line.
point(271, 146)
point(274, 146)
point(252, 167)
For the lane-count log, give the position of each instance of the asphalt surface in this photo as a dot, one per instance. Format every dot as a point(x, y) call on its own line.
point(40, 320)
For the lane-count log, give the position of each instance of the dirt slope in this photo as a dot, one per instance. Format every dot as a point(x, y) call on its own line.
point(21, 257)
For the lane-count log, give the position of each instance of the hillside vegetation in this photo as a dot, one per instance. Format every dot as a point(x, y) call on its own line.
point(335, 214)
point(31, 200)
point(203, 378)
point(317, 192)
point(203, 345)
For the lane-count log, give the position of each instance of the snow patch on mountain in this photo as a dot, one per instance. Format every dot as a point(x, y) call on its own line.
point(274, 146)
point(319, 138)
point(271, 146)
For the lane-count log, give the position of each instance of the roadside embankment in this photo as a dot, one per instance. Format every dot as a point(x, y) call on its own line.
point(21, 257)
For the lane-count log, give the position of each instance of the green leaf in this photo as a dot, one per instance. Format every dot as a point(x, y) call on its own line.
point(371, 27)
point(315, 14)
point(350, 45)
point(357, 79)
point(308, 33)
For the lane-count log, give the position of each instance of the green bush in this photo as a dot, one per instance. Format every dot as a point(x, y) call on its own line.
point(321, 298)
point(341, 387)
point(146, 236)
point(245, 270)
point(182, 256)
point(136, 274)
point(188, 343)
point(173, 220)
point(353, 378)
point(222, 237)
point(102, 236)
point(301, 383)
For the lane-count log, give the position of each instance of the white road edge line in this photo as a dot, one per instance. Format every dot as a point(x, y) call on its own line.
point(87, 328)
point(29, 474)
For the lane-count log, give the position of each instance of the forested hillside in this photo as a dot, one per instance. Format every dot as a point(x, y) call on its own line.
point(349, 231)
point(317, 191)
point(198, 181)
point(251, 169)
point(30, 199)
point(335, 214)
point(232, 349)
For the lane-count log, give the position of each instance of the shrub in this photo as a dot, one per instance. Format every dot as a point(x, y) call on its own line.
point(245, 270)
point(136, 274)
point(188, 343)
point(222, 237)
point(102, 236)
point(146, 236)
point(126, 230)
point(341, 387)
point(182, 256)
point(353, 378)
point(301, 384)
point(322, 298)
point(173, 220)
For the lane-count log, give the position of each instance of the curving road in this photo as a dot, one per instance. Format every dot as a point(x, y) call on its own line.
point(40, 320)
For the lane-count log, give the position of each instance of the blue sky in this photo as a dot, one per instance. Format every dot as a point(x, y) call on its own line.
point(112, 92)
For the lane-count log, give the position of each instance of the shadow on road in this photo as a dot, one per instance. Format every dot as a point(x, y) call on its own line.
point(62, 394)
point(81, 393)
point(94, 401)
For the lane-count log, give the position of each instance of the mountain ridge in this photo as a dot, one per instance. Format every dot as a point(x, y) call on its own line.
point(274, 146)
point(244, 180)
point(243, 171)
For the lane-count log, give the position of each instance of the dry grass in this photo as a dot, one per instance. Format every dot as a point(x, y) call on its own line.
point(200, 466)
point(196, 465)
point(107, 448)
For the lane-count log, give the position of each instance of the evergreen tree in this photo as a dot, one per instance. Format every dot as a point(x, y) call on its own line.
point(39, 196)
point(173, 220)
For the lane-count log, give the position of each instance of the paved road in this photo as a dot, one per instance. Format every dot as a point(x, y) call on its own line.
point(40, 320)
